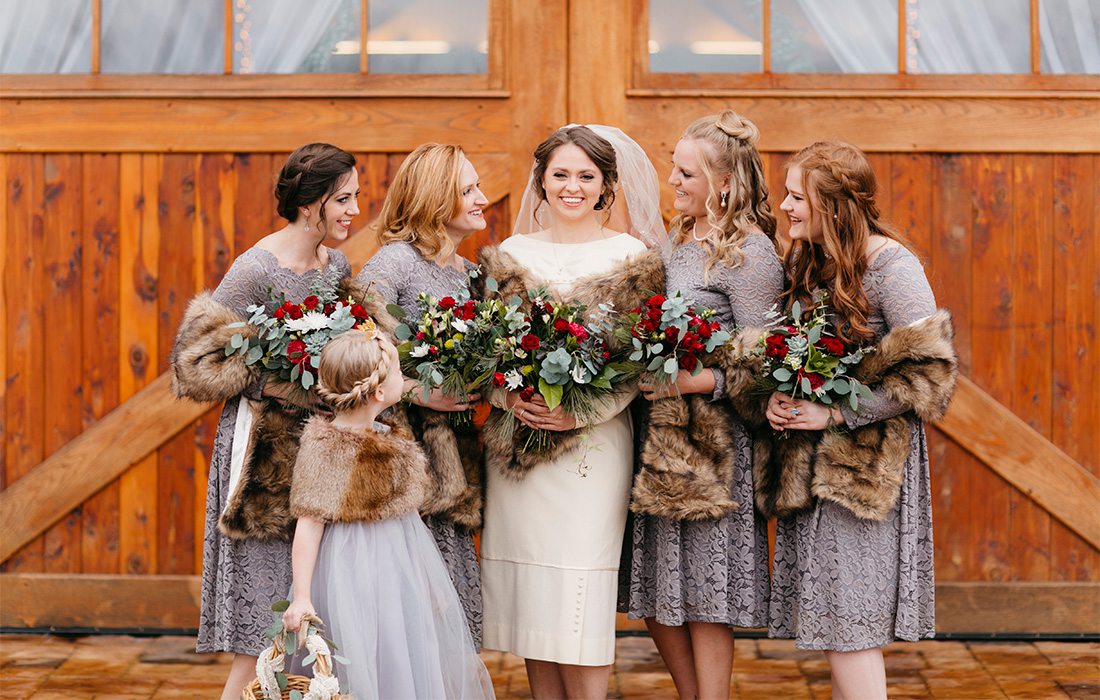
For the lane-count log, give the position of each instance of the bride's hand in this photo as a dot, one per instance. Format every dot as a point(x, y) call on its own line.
point(438, 400)
point(540, 417)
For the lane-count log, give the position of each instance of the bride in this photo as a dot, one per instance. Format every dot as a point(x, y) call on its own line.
point(553, 530)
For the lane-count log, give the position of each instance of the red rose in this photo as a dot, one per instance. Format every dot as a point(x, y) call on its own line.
point(688, 362)
point(578, 331)
point(279, 313)
point(498, 379)
point(606, 355)
point(654, 314)
point(672, 333)
point(816, 380)
point(561, 325)
point(649, 325)
point(433, 350)
point(776, 346)
point(530, 342)
point(330, 309)
point(547, 307)
point(296, 352)
point(705, 330)
point(466, 312)
point(636, 310)
point(655, 300)
point(447, 303)
point(311, 302)
point(833, 346)
point(421, 335)
point(359, 312)
point(295, 312)
point(527, 394)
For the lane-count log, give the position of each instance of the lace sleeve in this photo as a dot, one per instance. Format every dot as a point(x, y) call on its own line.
point(244, 284)
point(753, 287)
point(904, 296)
point(388, 270)
point(339, 264)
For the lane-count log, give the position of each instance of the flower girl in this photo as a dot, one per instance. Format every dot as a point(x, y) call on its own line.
point(361, 552)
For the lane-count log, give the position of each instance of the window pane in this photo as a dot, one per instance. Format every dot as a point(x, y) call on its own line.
point(1069, 32)
point(166, 36)
point(46, 36)
point(976, 36)
point(705, 36)
point(290, 36)
point(834, 36)
point(429, 36)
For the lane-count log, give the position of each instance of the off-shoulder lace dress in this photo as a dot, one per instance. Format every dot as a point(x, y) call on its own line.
point(844, 584)
point(241, 577)
point(399, 273)
point(711, 570)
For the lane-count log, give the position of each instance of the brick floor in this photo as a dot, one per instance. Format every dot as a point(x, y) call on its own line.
point(46, 667)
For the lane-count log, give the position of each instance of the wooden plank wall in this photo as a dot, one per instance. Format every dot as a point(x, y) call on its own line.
point(104, 250)
point(102, 253)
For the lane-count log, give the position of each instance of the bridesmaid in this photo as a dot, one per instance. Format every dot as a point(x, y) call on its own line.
point(433, 204)
point(246, 553)
point(694, 575)
point(853, 569)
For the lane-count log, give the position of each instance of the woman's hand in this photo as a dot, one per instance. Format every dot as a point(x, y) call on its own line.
point(535, 414)
point(438, 400)
point(292, 616)
point(686, 383)
point(786, 413)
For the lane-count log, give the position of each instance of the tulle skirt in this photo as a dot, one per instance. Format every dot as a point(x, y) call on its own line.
point(388, 603)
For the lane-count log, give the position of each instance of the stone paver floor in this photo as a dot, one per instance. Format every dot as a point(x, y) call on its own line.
point(46, 667)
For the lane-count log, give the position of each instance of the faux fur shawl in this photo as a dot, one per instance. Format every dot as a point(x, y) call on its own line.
point(456, 462)
point(862, 468)
point(345, 476)
point(622, 287)
point(687, 455)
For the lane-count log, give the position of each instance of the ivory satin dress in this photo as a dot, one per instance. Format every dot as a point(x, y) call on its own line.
point(552, 541)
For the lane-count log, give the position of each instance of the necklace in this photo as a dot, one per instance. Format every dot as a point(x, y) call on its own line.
point(696, 235)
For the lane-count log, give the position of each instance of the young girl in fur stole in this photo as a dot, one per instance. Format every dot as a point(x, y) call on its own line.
point(361, 552)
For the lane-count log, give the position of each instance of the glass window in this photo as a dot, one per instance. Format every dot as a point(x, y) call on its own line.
point(166, 36)
point(46, 36)
point(1069, 32)
point(977, 36)
point(428, 36)
point(705, 36)
point(281, 36)
point(834, 36)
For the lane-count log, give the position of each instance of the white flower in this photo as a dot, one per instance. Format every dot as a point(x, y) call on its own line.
point(312, 321)
point(323, 688)
point(580, 375)
point(459, 325)
point(513, 380)
point(419, 351)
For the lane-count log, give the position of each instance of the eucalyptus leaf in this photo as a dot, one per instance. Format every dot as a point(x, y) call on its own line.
point(655, 363)
point(805, 384)
point(841, 385)
point(636, 356)
point(670, 367)
point(814, 335)
point(552, 393)
point(657, 349)
point(396, 311)
point(280, 606)
point(403, 332)
point(291, 640)
point(281, 679)
point(853, 400)
point(236, 339)
point(491, 285)
point(796, 312)
point(782, 374)
point(307, 380)
point(254, 355)
point(296, 695)
point(340, 660)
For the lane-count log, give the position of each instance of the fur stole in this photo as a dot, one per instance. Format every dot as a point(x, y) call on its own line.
point(345, 476)
point(622, 287)
point(456, 463)
point(687, 456)
point(200, 369)
point(862, 468)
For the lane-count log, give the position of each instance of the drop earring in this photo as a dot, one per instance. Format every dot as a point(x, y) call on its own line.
point(724, 196)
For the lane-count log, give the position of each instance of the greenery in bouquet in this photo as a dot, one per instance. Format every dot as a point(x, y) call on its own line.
point(666, 335)
point(291, 337)
point(803, 358)
point(553, 351)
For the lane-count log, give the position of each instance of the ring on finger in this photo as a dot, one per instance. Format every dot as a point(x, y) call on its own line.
point(795, 412)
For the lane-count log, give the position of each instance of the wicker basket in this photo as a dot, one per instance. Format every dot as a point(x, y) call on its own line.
point(275, 655)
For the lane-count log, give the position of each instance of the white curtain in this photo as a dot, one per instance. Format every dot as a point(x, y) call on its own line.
point(859, 35)
point(167, 36)
point(284, 32)
point(48, 36)
point(1070, 35)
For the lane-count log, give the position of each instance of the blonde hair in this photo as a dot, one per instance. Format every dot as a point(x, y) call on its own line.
point(353, 365)
point(426, 193)
point(732, 140)
point(840, 185)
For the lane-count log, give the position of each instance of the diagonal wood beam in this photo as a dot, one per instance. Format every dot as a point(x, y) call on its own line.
point(1024, 458)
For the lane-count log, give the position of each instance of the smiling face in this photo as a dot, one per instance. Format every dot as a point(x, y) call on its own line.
point(340, 208)
point(687, 177)
point(572, 182)
point(805, 225)
point(470, 216)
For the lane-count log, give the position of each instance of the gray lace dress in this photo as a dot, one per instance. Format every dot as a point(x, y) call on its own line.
point(399, 273)
point(844, 584)
point(712, 570)
point(241, 577)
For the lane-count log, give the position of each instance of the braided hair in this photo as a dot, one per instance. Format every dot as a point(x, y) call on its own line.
point(841, 186)
point(311, 174)
point(727, 146)
point(353, 365)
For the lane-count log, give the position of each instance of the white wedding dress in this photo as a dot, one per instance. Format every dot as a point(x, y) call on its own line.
point(551, 542)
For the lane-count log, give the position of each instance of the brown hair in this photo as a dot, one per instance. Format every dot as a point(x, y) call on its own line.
point(353, 365)
point(425, 194)
point(840, 186)
point(598, 149)
point(727, 146)
point(311, 174)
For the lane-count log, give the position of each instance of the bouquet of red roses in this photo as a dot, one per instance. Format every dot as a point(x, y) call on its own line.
point(666, 335)
point(554, 352)
point(291, 338)
point(804, 359)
